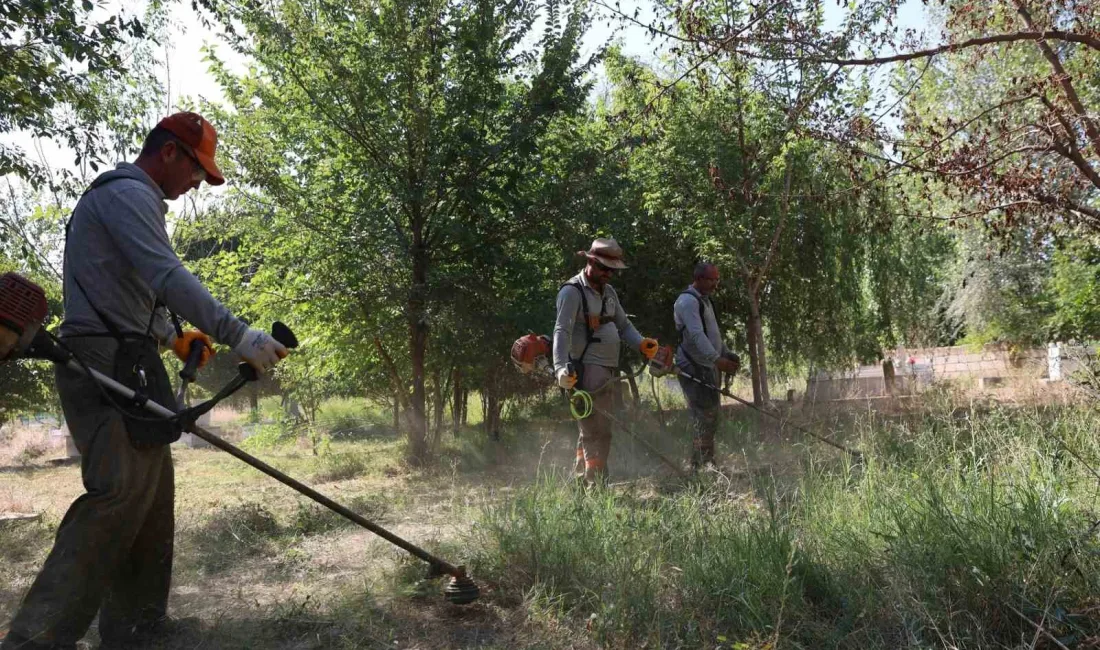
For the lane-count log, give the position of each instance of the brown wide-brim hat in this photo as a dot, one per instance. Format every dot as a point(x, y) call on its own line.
point(607, 252)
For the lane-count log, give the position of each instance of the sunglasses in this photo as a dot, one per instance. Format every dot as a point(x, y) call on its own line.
point(605, 269)
point(199, 175)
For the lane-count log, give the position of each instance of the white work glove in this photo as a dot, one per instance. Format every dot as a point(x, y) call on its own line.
point(260, 350)
point(566, 379)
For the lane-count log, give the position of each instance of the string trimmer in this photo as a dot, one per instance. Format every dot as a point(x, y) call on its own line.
point(22, 311)
point(531, 354)
point(662, 364)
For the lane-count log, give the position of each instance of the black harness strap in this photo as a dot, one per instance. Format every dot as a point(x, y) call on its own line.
point(589, 332)
point(683, 329)
point(112, 329)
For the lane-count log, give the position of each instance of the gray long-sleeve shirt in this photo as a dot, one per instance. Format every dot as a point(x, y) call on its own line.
point(570, 332)
point(118, 248)
point(704, 347)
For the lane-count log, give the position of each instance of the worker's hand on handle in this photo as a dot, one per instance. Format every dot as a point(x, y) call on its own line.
point(567, 379)
point(181, 345)
point(648, 348)
point(727, 366)
point(259, 350)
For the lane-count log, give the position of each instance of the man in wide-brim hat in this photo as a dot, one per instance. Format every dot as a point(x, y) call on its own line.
point(590, 326)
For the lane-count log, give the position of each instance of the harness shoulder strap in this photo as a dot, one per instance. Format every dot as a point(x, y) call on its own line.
point(702, 310)
point(590, 334)
point(683, 328)
point(112, 328)
point(584, 307)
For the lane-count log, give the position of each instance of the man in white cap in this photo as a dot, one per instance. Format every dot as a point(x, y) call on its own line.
point(588, 330)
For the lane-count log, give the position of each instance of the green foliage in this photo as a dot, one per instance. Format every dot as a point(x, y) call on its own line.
point(269, 436)
point(50, 53)
point(339, 467)
point(794, 223)
point(383, 144)
point(999, 292)
point(1075, 291)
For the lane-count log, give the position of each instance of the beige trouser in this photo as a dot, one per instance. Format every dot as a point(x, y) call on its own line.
point(594, 444)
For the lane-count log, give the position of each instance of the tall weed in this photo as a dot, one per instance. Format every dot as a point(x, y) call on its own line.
point(963, 528)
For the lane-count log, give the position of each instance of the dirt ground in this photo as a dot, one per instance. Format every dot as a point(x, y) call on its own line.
point(331, 585)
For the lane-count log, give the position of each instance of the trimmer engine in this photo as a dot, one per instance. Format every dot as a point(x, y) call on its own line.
point(531, 353)
point(661, 363)
point(22, 310)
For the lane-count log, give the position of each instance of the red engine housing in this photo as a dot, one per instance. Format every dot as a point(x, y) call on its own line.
point(22, 310)
point(661, 363)
point(530, 352)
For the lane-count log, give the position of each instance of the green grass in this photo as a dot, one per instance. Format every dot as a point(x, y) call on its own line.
point(963, 529)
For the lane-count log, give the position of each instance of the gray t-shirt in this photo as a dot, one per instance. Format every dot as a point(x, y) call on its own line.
point(570, 332)
point(118, 248)
point(703, 347)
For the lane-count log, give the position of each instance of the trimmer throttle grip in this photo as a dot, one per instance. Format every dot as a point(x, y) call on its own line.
point(194, 356)
point(281, 333)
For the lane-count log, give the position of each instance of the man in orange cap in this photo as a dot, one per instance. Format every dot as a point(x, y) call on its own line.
point(113, 550)
point(587, 332)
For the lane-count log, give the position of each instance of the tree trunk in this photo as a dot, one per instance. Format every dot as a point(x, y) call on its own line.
point(396, 414)
point(757, 356)
point(417, 452)
point(466, 407)
point(490, 406)
point(456, 402)
point(438, 403)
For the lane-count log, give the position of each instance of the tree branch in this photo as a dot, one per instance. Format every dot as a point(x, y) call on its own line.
point(1064, 81)
point(1069, 149)
point(1012, 37)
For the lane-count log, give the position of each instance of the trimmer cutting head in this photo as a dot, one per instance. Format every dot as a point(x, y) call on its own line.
point(461, 590)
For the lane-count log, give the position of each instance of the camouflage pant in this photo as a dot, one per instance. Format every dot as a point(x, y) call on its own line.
point(113, 550)
point(594, 443)
point(704, 406)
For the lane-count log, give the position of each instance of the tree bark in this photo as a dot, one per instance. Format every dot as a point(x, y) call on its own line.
point(396, 413)
point(417, 452)
point(490, 406)
point(757, 355)
point(438, 404)
point(456, 402)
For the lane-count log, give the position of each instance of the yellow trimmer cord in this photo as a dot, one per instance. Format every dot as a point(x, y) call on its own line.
point(584, 398)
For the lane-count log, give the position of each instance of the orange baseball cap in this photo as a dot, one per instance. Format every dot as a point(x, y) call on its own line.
point(193, 130)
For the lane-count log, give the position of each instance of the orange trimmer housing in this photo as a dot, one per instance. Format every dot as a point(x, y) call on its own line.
point(531, 352)
point(662, 362)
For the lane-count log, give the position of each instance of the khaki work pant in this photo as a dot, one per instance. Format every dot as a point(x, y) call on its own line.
point(113, 550)
point(594, 444)
point(704, 405)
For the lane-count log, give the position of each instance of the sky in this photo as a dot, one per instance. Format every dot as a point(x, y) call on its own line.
point(187, 73)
